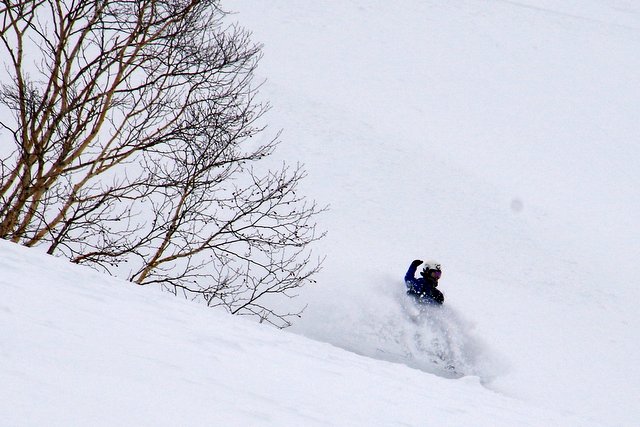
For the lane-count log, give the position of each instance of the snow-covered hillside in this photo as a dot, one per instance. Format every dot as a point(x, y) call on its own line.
point(498, 137)
point(79, 348)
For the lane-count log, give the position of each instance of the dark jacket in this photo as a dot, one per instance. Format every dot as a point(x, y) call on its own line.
point(423, 288)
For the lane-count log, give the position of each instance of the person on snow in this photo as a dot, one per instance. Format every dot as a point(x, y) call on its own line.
point(424, 288)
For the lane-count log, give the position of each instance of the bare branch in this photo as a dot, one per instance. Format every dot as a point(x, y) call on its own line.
point(132, 124)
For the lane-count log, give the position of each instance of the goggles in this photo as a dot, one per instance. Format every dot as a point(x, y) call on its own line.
point(435, 274)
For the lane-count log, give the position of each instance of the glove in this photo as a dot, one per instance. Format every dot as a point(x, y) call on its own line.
point(416, 262)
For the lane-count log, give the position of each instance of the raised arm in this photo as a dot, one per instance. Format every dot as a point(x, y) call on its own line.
point(411, 273)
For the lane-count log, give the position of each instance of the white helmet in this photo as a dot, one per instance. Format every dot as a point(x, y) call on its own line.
point(431, 265)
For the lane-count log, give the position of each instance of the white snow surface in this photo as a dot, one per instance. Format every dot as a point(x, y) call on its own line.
point(499, 137)
point(80, 349)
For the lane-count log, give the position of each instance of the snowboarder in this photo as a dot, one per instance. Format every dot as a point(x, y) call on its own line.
point(424, 288)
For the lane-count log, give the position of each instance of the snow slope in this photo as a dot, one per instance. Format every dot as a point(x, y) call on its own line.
point(80, 348)
point(498, 137)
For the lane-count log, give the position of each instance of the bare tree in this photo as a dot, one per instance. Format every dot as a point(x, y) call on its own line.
point(131, 124)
